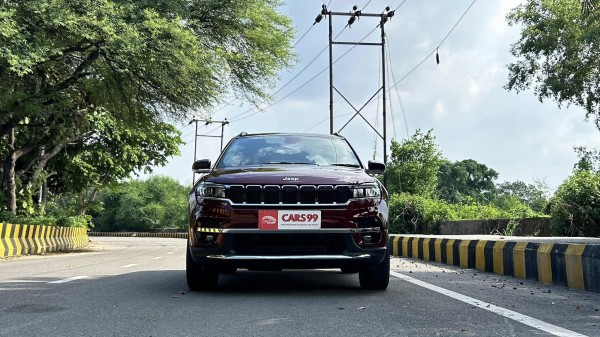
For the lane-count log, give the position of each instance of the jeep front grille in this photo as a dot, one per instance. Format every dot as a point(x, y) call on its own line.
point(288, 194)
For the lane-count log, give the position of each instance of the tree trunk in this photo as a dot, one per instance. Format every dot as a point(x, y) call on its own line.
point(9, 174)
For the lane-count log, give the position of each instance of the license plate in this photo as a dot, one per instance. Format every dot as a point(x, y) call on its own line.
point(282, 220)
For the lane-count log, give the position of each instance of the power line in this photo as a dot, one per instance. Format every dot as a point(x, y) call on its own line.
point(435, 49)
point(303, 35)
point(326, 119)
point(236, 119)
point(400, 5)
point(233, 119)
point(396, 90)
point(311, 62)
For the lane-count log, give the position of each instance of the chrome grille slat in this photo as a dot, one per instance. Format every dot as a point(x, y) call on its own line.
point(288, 194)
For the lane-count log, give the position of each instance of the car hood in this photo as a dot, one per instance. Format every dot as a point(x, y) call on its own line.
point(290, 174)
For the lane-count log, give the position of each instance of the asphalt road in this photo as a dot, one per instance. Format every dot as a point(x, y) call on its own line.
point(136, 287)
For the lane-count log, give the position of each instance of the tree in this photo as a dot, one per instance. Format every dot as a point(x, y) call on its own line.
point(110, 155)
point(148, 205)
point(414, 165)
point(66, 66)
point(534, 195)
point(575, 208)
point(589, 160)
point(558, 52)
point(465, 179)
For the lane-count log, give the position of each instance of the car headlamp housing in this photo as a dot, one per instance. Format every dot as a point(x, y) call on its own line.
point(210, 190)
point(367, 191)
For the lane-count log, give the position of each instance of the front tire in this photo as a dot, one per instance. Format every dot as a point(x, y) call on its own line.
point(376, 277)
point(199, 277)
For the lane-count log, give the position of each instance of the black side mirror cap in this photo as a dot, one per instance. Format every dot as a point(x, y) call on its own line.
point(376, 167)
point(201, 166)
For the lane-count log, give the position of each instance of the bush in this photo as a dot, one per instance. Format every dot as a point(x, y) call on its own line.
point(78, 221)
point(417, 214)
point(575, 208)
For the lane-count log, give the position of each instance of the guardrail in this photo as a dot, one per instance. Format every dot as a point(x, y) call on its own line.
point(573, 265)
point(17, 239)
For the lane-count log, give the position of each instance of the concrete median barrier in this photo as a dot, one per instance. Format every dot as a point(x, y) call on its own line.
point(568, 262)
point(17, 239)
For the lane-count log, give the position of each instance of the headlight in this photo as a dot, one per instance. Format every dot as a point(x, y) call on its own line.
point(367, 191)
point(210, 190)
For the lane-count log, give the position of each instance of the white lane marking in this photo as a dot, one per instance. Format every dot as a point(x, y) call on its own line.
point(157, 258)
point(129, 265)
point(169, 253)
point(74, 278)
point(532, 322)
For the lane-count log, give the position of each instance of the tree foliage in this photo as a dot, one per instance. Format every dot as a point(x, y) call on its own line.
point(143, 205)
point(461, 180)
point(102, 76)
point(575, 208)
point(534, 195)
point(414, 165)
point(558, 52)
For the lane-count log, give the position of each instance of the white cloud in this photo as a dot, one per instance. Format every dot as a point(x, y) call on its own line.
point(439, 110)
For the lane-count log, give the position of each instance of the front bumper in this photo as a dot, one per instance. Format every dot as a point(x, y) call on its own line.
point(259, 250)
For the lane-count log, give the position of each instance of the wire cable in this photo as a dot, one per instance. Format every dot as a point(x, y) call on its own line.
point(365, 6)
point(326, 119)
point(311, 62)
point(435, 49)
point(400, 5)
point(239, 117)
point(233, 119)
point(303, 35)
point(397, 91)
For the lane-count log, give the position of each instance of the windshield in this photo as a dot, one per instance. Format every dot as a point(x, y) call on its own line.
point(288, 149)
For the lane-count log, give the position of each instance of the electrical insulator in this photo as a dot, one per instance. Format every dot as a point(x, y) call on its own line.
point(437, 57)
point(351, 20)
point(354, 8)
point(319, 18)
point(390, 14)
point(358, 14)
point(387, 9)
point(324, 9)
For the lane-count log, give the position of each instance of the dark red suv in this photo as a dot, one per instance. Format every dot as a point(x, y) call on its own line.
point(282, 201)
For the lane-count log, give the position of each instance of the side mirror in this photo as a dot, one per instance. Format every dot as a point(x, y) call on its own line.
point(375, 167)
point(201, 166)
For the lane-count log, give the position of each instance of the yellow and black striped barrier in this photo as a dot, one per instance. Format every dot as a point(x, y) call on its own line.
point(140, 234)
point(17, 240)
point(575, 266)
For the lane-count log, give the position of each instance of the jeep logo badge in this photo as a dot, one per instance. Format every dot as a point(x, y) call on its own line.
point(290, 179)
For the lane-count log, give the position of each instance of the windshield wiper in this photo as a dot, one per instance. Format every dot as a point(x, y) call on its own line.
point(346, 165)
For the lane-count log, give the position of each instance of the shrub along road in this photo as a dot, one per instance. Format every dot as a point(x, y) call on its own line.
point(136, 287)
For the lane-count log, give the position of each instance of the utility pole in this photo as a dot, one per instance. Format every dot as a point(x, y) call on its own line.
point(206, 123)
point(196, 135)
point(354, 15)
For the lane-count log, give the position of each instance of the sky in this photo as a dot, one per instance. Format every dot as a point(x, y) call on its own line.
point(462, 99)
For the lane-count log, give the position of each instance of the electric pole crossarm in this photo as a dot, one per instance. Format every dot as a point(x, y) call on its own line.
point(353, 14)
point(359, 43)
